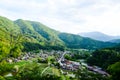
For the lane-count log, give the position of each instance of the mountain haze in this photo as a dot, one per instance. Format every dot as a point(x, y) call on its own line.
point(115, 41)
point(99, 36)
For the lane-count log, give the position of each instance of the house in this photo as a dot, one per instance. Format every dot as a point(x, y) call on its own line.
point(69, 65)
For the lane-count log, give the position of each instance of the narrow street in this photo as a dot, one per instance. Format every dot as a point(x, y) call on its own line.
point(59, 61)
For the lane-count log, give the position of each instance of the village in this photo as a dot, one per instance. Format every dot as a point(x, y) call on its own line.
point(59, 57)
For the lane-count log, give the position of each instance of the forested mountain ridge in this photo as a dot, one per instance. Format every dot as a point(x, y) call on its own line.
point(76, 41)
point(39, 36)
point(40, 32)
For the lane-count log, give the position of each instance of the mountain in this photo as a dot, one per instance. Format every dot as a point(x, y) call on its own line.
point(38, 31)
point(115, 41)
point(99, 36)
point(38, 36)
point(76, 41)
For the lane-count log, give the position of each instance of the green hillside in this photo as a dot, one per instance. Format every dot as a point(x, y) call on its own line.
point(38, 36)
point(41, 34)
point(76, 41)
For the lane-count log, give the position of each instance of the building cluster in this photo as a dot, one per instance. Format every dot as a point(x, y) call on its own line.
point(70, 65)
point(42, 54)
point(22, 57)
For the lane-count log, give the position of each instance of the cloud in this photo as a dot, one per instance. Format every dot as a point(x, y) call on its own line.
point(72, 16)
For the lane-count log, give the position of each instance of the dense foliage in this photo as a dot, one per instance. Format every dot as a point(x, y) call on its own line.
point(76, 55)
point(104, 57)
point(108, 59)
point(114, 69)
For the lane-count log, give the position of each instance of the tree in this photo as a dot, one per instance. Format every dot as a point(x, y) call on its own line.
point(114, 70)
point(29, 72)
point(11, 43)
point(15, 44)
point(5, 67)
point(104, 57)
point(67, 56)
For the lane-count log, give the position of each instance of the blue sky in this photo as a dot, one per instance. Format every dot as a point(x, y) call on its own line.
point(72, 16)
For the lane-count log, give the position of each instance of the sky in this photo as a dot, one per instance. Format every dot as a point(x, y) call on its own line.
point(71, 16)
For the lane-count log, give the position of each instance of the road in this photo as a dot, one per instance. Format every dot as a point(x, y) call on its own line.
point(59, 61)
point(44, 70)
